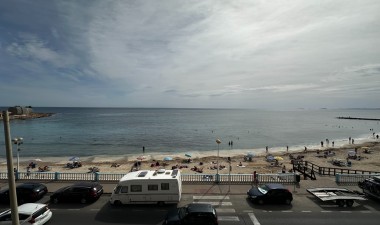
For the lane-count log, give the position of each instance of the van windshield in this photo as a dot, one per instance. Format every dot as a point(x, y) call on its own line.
point(117, 190)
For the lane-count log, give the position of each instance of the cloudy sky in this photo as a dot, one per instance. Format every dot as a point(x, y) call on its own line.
point(205, 54)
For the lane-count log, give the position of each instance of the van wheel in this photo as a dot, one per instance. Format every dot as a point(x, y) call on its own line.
point(160, 203)
point(117, 203)
point(288, 201)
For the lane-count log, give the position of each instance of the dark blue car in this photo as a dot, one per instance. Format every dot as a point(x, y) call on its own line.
point(270, 193)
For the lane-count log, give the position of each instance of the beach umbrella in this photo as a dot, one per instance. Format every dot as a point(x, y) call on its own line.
point(168, 158)
point(74, 158)
point(188, 155)
point(279, 158)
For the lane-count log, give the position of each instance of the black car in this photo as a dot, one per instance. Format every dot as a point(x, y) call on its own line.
point(82, 192)
point(270, 193)
point(197, 214)
point(26, 193)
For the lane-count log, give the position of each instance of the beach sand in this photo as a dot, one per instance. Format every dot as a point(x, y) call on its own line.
point(124, 164)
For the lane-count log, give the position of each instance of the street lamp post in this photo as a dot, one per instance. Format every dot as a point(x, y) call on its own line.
point(18, 141)
point(217, 162)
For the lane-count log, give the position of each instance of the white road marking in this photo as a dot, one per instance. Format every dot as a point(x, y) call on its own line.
point(248, 211)
point(228, 218)
point(324, 211)
point(211, 197)
point(253, 219)
point(216, 203)
point(365, 211)
point(222, 210)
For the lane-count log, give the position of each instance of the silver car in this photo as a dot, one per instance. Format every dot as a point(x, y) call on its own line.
point(29, 213)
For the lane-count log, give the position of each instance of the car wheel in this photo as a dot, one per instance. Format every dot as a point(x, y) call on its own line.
point(288, 201)
point(55, 200)
point(261, 202)
point(340, 203)
point(83, 200)
point(349, 203)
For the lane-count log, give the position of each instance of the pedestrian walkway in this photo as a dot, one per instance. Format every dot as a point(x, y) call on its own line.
point(215, 189)
point(224, 209)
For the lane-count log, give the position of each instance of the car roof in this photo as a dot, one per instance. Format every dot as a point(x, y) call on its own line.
point(85, 184)
point(275, 186)
point(30, 208)
point(29, 185)
point(198, 207)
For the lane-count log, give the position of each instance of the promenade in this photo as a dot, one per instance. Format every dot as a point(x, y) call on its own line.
point(213, 188)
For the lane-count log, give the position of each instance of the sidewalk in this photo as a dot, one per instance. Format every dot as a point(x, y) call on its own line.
point(215, 189)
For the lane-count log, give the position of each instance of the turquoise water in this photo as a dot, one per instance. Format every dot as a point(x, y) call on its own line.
point(123, 131)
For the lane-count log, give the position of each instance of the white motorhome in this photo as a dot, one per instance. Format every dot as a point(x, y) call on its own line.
point(147, 187)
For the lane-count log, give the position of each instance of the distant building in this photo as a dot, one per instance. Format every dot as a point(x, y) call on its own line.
point(19, 110)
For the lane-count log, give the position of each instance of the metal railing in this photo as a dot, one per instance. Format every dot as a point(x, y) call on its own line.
point(352, 178)
point(285, 178)
point(332, 171)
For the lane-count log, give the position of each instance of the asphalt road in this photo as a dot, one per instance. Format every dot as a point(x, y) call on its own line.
point(232, 210)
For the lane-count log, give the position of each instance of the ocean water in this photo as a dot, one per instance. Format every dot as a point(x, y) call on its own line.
point(124, 131)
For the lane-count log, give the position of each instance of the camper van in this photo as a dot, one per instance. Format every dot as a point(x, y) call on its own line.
point(148, 187)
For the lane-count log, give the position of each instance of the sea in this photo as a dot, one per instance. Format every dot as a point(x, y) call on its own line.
point(114, 132)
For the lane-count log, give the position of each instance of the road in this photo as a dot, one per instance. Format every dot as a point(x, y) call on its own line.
point(232, 210)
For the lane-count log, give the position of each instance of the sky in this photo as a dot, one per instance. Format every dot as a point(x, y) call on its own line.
point(190, 54)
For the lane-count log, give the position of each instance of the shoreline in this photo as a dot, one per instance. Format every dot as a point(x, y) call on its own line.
point(207, 161)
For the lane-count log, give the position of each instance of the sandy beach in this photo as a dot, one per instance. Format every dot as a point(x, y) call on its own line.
point(207, 164)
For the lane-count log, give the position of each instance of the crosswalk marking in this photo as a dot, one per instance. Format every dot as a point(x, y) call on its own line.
point(253, 219)
point(223, 210)
point(228, 218)
point(211, 197)
point(216, 203)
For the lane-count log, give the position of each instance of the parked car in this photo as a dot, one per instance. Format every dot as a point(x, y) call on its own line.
point(26, 192)
point(29, 213)
point(82, 192)
point(192, 214)
point(270, 193)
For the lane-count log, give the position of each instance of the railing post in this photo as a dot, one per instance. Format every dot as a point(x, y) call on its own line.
point(56, 176)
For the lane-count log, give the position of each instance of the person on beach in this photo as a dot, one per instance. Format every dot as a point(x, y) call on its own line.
point(284, 169)
point(349, 140)
point(352, 141)
point(143, 149)
point(322, 144)
point(332, 143)
point(305, 149)
point(266, 149)
point(377, 136)
point(287, 148)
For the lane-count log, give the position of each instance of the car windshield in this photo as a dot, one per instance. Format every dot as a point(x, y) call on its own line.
point(263, 189)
